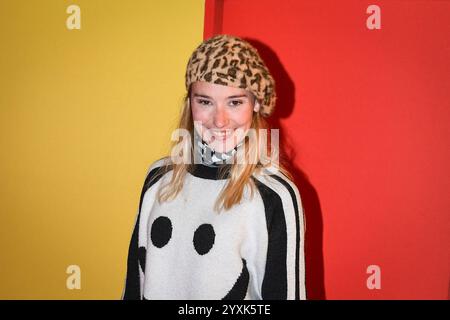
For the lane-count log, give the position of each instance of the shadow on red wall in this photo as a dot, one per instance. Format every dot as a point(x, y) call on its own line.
point(313, 214)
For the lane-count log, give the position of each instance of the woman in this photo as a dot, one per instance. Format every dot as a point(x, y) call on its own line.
point(220, 219)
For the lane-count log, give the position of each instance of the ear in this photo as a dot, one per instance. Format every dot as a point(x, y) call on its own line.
point(257, 106)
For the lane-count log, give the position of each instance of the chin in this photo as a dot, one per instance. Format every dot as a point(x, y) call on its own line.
point(221, 146)
point(222, 142)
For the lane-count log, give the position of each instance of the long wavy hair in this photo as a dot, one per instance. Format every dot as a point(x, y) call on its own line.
point(254, 158)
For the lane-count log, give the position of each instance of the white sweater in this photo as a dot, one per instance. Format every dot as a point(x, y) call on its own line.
point(182, 249)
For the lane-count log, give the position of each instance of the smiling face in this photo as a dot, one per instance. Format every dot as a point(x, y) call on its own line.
point(222, 114)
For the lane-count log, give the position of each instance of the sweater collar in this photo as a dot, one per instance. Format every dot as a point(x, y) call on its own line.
point(218, 172)
point(211, 164)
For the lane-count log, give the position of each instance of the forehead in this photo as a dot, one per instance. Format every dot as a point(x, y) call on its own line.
point(216, 90)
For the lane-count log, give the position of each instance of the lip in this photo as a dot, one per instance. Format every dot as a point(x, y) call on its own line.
point(222, 134)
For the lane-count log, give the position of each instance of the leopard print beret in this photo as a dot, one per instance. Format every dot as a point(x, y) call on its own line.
point(231, 61)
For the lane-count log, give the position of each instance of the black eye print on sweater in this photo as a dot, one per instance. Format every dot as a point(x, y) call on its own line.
point(204, 238)
point(161, 231)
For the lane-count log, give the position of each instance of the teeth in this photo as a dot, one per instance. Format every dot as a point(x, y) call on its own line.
point(219, 133)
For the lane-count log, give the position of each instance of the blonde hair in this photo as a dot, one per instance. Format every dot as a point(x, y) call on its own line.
point(240, 173)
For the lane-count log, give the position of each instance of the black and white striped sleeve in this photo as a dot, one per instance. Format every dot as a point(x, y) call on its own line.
point(284, 276)
point(137, 249)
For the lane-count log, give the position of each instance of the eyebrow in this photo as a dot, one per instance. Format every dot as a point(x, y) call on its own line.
point(230, 97)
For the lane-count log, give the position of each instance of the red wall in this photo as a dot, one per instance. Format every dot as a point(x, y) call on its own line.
point(365, 117)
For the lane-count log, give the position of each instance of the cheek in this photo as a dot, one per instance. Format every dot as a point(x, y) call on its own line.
point(199, 114)
point(244, 118)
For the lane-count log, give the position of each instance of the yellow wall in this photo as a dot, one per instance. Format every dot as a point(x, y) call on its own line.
point(83, 113)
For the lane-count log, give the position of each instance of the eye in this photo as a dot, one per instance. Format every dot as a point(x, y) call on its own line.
point(161, 231)
point(203, 102)
point(236, 103)
point(204, 238)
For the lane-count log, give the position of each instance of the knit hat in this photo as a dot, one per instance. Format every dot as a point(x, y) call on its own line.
point(231, 61)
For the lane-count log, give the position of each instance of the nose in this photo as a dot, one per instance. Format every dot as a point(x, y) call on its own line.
point(220, 117)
